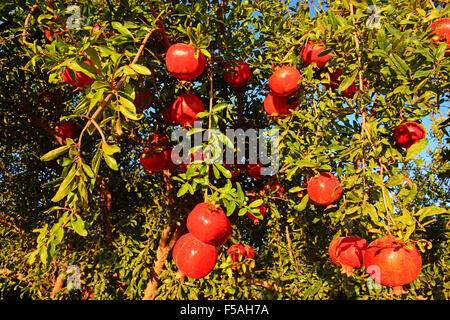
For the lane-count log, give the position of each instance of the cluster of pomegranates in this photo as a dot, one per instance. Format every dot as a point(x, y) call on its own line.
point(195, 253)
point(388, 261)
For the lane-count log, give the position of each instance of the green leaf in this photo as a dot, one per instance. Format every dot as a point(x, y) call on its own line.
point(348, 81)
point(94, 57)
point(79, 226)
point(429, 211)
point(111, 162)
point(184, 188)
point(128, 109)
point(302, 205)
point(87, 170)
point(230, 208)
point(256, 203)
point(110, 149)
point(55, 153)
point(43, 254)
point(416, 148)
point(141, 69)
point(395, 180)
point(119, 27)
point(371, 211)
point(65, 186)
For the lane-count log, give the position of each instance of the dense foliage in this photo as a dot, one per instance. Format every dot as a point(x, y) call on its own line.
point(86, 201)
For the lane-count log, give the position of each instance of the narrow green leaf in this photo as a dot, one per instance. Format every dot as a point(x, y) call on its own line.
point(119, 27)
point(348, 81)
point(55, 153)
point(111, 162)
point(64, 188)
point(141, 69)
point(78, 226)
point(110, 149)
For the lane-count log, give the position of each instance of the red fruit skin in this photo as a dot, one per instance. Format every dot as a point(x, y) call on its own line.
point(324, 189)
point(254, 170)
point(240, 76)
point(68, 129)
point(284, 81)
point(408, 133)
point(207, 223)
point(275, 105)
point(143, 99)
point(262, 210)
point(154, 161)
point(80, 80)
point(397, 263)
point(194, 258)
point(441, 32)
point(237, 250)
point(310, 54)
point(226, 236)
point(185, 108)
point(181, 61)
point(348, 253)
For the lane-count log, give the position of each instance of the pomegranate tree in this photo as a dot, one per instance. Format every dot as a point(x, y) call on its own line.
point(392, 262)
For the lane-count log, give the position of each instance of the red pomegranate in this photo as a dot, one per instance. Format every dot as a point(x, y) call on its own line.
point(194, 258)
point(185, 108)
point(324, 189)
point(408, 133)
point(392, 262)
point(284, 81)
point(239, 252)
point(240, 76)
point(143, 99)
point(441, 32)
point(348, 253)
point(350, 91)
point(182, 63)
point(225, 237)
point(154, 159)
point(275, 105)
point(68, 129)
point(80, 79)
point(262, 210)
point(208, 223)
point(254, 170)
point(310, 54)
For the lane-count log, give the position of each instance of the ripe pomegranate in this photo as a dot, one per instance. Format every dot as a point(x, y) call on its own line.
point(284, 81)
point(275, 105)
point(441, 32)
point(143, 99)
point(239, 252)
point(348, 253)
point(185, 108)
point(240, 76)
point(68, 129)
point(350, 91)
point(182, 63)
point(262, 210)
point(392, 262)
point(48, 34)
point(154, 159)
point(324, 189)
point(208, 223)
point(80, 80)
point(225, 237)
point(194, 258)
point(310, 54)
point(408, 133)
